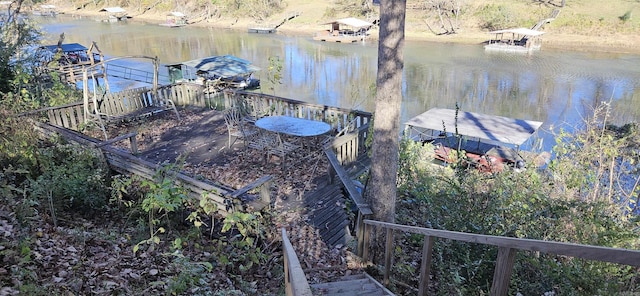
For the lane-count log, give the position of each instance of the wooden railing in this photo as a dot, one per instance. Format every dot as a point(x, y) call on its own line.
point(350, 146)
point(338, 118)
point(72, 116)
point(507, 247)
point(364, 211)
point(294, 279)
point(129, 101)
point(186, 94)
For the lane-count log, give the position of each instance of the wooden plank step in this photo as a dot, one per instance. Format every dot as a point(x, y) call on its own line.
point(327, 215)
point(355, 284)
point(338, 235)
point(333, 221)
point(352, 287)
point(350, 277)
point(328, 202)
point(323, 194)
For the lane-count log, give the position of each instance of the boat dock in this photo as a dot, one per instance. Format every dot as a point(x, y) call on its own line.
point(475, 133)
point(347, 30)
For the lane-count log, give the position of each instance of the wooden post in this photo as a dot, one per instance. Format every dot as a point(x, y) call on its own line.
point(425, 265)
point(365, 243)
point(332, 174)
point(265, 193)
point(388, 254)
point(134, 144)
point(85, 94)
point(502, 273)
point(154, 95)
point(360, 233)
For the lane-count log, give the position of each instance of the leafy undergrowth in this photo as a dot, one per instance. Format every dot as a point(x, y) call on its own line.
point(95, 257)
point(45, 251)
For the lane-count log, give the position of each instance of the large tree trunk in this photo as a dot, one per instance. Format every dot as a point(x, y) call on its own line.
point(386, 123)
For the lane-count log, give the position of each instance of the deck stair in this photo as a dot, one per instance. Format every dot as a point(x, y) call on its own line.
point(543, 22)
point(358, 284)
point(327, 212)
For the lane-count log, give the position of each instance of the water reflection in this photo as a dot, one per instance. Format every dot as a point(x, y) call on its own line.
point(556, 87)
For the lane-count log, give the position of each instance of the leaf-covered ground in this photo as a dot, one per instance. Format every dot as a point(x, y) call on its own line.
point(95, 256)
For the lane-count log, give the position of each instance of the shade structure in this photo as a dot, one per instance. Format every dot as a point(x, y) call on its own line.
point(113, 9)
point(67, 47)
point(226, 66)
point(519, 31)
point(482, 126)
point(350, 21)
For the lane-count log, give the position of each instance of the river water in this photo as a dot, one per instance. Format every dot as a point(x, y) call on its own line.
point(556, 87)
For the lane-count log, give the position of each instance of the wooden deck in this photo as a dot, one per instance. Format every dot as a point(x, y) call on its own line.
point(206, 147)
point(202, 137)
point(262, 30)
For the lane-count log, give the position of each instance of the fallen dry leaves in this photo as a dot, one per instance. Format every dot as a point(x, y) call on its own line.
point(95, 256)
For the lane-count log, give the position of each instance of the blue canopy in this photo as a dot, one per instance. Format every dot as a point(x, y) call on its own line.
point(69, 47)
point(226, 66)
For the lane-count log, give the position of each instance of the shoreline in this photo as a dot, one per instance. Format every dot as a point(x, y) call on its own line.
point(618, 44)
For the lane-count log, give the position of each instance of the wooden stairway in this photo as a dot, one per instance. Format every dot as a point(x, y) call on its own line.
point(327, 212)
point(360, 284)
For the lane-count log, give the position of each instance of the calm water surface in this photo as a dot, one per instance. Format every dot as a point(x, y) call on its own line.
point(558, 88)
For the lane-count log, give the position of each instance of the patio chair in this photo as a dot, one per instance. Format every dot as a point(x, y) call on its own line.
point(281, 149)
point(263, 140)
point(237, 127)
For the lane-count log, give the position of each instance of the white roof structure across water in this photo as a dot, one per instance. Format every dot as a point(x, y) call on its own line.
point(491, 128)
point(113, 9)
point(519, 31)
point(351, 21)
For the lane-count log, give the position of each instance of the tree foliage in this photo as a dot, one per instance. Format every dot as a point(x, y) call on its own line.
point(443, 15)
point(578, 199)
point(258, 10)
point(16, 34)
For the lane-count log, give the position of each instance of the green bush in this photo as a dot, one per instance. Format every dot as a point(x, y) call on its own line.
point(625, 17)
point(568, 202)
point(72, 177)
point(494, 17)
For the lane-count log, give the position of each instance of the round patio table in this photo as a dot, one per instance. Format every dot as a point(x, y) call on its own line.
point(293, 126)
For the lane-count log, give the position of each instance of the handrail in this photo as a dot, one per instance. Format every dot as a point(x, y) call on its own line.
point(363, 207)
point(507, 247)
point(354, 194)
point(294, 279)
